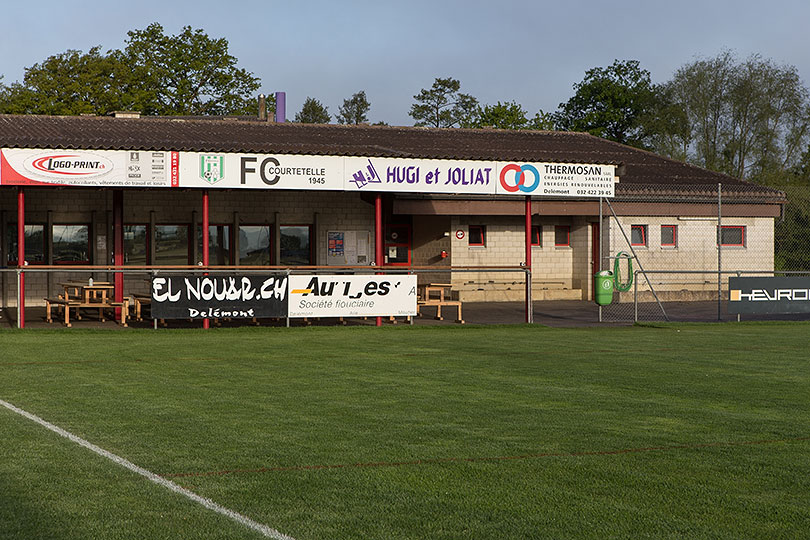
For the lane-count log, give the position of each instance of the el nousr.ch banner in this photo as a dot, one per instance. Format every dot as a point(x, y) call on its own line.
point(278, 295)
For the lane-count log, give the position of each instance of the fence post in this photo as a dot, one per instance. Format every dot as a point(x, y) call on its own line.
point(719, 250)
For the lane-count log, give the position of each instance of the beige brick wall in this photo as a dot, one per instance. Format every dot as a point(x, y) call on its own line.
point(696, 249)
point(557, 272)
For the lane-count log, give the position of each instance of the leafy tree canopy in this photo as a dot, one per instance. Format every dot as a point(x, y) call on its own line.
point(443, 105)
point(156, 74)
point(610, 102)
point(313, 112)
point(510, 115)
point(354, 110)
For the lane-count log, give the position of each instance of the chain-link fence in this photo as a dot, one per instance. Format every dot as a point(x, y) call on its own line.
point(675, 252)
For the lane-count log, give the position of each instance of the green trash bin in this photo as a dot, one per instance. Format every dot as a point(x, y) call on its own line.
point(603, 287)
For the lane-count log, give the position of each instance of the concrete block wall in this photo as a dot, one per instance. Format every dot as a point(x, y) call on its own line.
point(696, 249)
point(557, 272)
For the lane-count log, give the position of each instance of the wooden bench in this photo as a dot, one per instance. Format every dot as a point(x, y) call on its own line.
point(63, 304)
point(124, 309)
point(138, 301)
point(439, 304)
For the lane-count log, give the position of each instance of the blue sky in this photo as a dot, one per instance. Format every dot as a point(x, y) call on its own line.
point(529, 52)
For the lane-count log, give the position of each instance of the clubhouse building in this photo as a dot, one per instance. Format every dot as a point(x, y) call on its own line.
point(133, 191)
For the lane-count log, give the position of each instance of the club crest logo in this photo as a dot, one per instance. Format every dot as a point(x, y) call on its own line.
point(212, 168)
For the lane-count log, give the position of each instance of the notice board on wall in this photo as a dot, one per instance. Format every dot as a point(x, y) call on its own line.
point(348, 248)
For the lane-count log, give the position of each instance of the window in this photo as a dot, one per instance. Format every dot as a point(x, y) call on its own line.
point(254, 245)
point(295, 245)
point(562, 235)
point(34, 244)
point(638, 235)
point(732, 235)
point(669, 235)
point(172, 245)
point(477, 236)
point(219, 244)
point(397, 244)
point(537, 235)
point(136, 245)
point(71, 244)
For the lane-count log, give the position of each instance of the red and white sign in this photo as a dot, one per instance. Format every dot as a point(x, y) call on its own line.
point(460, 234)
point(90, 168)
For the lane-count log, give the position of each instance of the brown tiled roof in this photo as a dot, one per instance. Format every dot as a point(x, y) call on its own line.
point(640, 170)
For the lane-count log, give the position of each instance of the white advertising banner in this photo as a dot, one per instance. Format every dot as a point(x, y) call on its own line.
point(420, 175)
point(556, 179)
point(352, 296)
point(88, 168)
point(146, 169)
point(259, 171)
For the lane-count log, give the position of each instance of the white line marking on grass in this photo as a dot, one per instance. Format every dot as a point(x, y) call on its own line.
point(207, 503)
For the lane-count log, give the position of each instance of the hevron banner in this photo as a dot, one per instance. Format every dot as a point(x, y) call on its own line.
point(773, 295)
point(219, 296)
point(352, 296)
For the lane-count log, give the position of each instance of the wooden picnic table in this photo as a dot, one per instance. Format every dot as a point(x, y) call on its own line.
point(438, 295)
point(81, 294)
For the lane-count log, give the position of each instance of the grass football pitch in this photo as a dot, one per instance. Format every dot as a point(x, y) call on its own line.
point(657, 431)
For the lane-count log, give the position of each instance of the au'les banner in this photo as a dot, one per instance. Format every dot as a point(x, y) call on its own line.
point(88, 168)
point(352, 296)
point(220, 296)
point(787, 294)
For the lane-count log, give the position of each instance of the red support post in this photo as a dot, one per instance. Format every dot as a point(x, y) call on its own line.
point(118, 246)
point(528, 259)
point(378, 237)
point(205, 240)
point(21, 254)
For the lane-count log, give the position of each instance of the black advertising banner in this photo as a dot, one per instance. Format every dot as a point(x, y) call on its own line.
point(219, 296)
point(769, 294)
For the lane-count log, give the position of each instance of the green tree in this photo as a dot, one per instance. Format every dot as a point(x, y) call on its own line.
point(443, 105)
point(748, 119)
point(510, 115)
point(156, 74)
point(189, 73)
point(609, 103)
point(354, 110)
point(665, 126)
point(313, 112)
point(73, 83)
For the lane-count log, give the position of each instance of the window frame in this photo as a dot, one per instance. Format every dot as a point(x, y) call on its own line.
point(561, 228)
point(229, 252)
point(310, 237)
point(405, 242)
point(743, 235)
point(12, 241)
point(644, 235)
point(189, 242)
point(537, 236)
point(483, 233)
point(269, 246)
point(674, 243)
point(89, 258)
point(148, 242)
